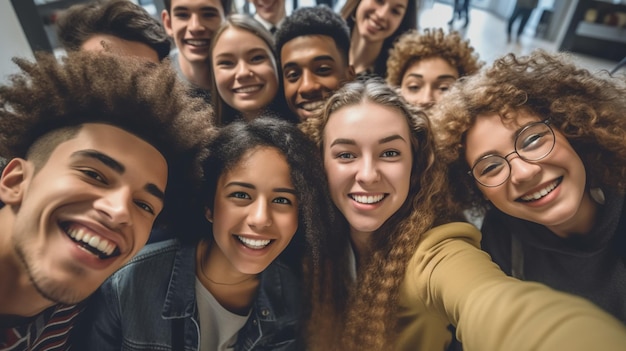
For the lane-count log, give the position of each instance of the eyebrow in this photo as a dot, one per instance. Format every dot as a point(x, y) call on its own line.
point(203, 8)
point(250, 186)
point(344, 141)
point(443, 76)
point(315, 59)
point(117, 168)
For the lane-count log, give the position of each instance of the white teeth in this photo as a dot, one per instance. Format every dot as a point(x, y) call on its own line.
point(253, 243)
point(312, 106)
point(101, 244)
point(365, 199)
point(249, 89)
point(196, 42)
point(541, 193)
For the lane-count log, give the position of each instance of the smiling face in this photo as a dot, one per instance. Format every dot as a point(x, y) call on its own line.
point(425, 81)
point(86, 211)
point(245, 71)
point(368, 160)
point(191, 23)
point(255, 211)
point(377, 20)
point(550, 191)
point(270, 10)
point(313, 68)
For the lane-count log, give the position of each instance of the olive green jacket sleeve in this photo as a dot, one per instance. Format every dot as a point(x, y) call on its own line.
point(451, 277)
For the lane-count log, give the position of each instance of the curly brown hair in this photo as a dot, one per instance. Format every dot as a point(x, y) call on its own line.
point(84, 87)
point(362, 316)
point(587, 108)
point(433, 42)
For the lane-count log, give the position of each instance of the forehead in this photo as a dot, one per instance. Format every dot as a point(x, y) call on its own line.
point(264, 160)
point(235, 35)
point(197, 4)
point(431, 67)
point(368, 122)
point(304, 49)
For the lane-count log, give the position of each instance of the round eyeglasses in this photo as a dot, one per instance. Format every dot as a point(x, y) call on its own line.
point(534, 142)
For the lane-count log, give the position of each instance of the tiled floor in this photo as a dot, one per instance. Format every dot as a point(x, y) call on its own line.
point(487, 34)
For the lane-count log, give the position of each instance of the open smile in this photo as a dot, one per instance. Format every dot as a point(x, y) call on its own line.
point(254, 244)
point(90, 241)
point(536, 195)
point(367, 199)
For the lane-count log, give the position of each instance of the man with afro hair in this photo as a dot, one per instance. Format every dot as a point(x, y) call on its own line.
point(97, 146)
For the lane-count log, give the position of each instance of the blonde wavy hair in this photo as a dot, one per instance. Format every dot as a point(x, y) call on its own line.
point(589, 109)
point(348, 316)
point(433, 42)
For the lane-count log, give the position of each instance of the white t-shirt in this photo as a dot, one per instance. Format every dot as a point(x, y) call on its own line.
point(218, 326)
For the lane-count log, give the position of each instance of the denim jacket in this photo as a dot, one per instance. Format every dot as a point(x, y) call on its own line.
point(136, 307)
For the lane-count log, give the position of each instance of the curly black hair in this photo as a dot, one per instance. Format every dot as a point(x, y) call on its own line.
point(147, 100)
point(318, 20)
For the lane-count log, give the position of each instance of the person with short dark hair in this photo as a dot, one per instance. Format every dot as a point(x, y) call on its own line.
point(313, 46)
point(99, 148)
point(191, 24)
point(119, 26)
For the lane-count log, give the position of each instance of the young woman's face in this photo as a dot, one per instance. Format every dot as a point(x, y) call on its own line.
point(377, 20)
point(550, 191)
point(425, 81)
point(255, 210)
point(368, 160)
point(245, 71)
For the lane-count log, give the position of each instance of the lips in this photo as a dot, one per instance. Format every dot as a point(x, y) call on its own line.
point(367, 199)
point(199, 43)
point(538, 194)
point(98, 245)
point(311, 106)
point(248, 89)
point(255, 244)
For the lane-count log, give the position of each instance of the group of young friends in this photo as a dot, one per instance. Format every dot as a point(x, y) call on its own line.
point(306, 190)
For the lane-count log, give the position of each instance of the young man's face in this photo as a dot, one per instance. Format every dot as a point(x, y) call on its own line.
point(313, 69)
point(85, 212)
point(270, 10)
point(191, 23)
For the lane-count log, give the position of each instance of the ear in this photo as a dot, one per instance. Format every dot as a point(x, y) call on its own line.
point(167, 22)
point(208, 214)
point(13, 181)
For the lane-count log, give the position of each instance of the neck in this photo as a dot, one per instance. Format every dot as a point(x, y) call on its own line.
point(361, 244)
point(363, 53)
point(234, 290)
point(198, 74)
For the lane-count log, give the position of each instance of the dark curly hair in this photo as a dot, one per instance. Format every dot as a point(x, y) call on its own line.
point(119, 18)
point(147, 100)
point(233, 141)
point(587, 108)
point(413, 46)
point(362, 316)
point(318, 20)
point(409, 21)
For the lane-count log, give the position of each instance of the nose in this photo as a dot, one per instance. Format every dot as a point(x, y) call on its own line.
point(309, 85)
point(243, 71)
point(367, 172)
point(195, 24)
point(425, 97)
point(522, 171)
point(381, 11)
point(259, 215)
point(114, 205)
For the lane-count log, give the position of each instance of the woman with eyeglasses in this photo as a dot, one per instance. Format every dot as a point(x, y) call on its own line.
point(538, 145)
